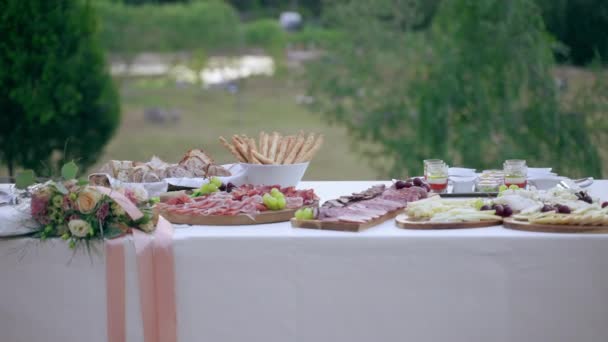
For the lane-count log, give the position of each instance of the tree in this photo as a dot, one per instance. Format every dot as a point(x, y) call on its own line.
point(57, 99)
point(474, 89)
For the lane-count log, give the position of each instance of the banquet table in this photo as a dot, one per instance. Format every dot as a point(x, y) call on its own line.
point(276, 283)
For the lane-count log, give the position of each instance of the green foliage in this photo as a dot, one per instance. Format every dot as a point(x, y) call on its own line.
point(582, 25)
point(69, 170)
point(314, 37)
point(209, 25)
point(25, 179)
point(265, 33)
point(474, 90)
point(57, 95)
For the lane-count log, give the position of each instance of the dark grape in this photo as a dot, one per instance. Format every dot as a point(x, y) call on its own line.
point(500, 210)
point(493, 206)
point(399, 184)
point(485, 207)
point(588, 199)
point(223, 187)
point(418, 181)
point(546, 208)
point(563, 209)
point(507, 211)
point(408, 185)
point(427, 187)
point(605, 204)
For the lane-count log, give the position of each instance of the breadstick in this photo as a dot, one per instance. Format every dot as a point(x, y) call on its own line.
point(262, 158)
point(264, 143)
point(251, 149)
point(233, 150)
point(260, 140)
point(282, 150)
point(272, 153)
point(306, 147)
point(291, 157)
point(311, 153)
point(241, 147)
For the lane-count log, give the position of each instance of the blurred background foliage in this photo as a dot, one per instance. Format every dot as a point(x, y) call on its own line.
point(57, 99)
point(472, 82)
point(473, 89)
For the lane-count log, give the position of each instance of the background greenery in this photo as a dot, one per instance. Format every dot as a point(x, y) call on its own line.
point(57, 99)
point(473, 82)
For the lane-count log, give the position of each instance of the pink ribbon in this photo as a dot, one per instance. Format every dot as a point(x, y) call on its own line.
point(155, 274)
point(115, 290)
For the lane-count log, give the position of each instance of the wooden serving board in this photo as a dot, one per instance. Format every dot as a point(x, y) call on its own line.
point(229, 220)
point(552, 228)
point(404, 222)
point(343, 226)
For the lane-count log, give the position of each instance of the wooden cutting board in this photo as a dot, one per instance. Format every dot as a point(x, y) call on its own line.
point(552, 228)
point(343, 226)
point(404, 222)
point(270, 216)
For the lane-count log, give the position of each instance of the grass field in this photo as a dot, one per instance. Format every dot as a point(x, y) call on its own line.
point(263, 104)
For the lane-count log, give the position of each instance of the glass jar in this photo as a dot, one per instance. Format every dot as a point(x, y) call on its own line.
point(428, 162)
point(437, 177)
point(516, 172)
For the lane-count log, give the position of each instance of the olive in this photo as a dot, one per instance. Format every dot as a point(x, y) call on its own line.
point(485, 207)
point(408, 184)
point(418, 181)
point(399, 184)
point(500, 210)
point(546, 208)
point(507, 211)
point(605, 204)
point(563, 209)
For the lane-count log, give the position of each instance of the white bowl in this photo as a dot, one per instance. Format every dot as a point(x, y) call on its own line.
point(283, 175)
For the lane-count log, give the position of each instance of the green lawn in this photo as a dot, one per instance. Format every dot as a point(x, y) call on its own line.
point(264, 104)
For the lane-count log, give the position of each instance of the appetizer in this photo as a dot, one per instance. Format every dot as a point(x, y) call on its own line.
point(436, 209)
point(368, 205)
point(556, 206)
point(195, 163)
point(274, 148)
point(230, 200)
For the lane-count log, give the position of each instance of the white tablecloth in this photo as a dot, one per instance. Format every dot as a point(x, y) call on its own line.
point(274, 283)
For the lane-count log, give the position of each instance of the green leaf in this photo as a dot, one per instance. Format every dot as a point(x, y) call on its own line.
point(69, 170)
point(83, 181)
point(25, 179)
point(112, 231)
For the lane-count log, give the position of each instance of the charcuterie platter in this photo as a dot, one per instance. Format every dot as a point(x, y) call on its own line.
point(364, 209)
point(229, 220)
point(219, 204)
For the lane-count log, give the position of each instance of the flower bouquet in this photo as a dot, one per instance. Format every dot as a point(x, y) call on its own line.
point(78, 212)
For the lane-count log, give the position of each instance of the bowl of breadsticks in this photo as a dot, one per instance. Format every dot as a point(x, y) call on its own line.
point(274, 159)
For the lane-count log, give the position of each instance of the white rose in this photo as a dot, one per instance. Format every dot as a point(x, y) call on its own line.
point(141, 194)
point(79, 228)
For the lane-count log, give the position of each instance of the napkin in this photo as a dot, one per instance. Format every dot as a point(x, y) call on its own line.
point(461, 172)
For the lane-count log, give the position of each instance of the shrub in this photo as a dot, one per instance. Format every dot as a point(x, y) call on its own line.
point(265, 33)
point(208, 25)
point(582, 25)
point(474, 90)
point(56, 92)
